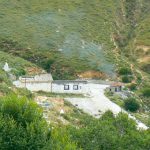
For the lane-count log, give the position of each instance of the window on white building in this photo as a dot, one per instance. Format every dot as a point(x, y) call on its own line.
point(66, 87)
point(75, 87)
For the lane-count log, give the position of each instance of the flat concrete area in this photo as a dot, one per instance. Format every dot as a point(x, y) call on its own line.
point(97, 103)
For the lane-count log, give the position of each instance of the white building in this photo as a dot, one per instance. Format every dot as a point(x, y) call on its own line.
point(40, 82)
point(69, 86)
point(44, 82)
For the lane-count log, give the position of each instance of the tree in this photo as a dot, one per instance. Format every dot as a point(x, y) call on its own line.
point(23, 127)
point(131, 104)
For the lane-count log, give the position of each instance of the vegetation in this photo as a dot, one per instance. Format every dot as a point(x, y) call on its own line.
point(146, 68)
point(132, 86)
point(127, 79)
point(67, 38)
point(131, 104)
point(72, 37)
point(115, 98)
point(125, 71)
point(23, 127)
point(60, 37)
point(111, 133)
point(146, 92)
point(61, 95)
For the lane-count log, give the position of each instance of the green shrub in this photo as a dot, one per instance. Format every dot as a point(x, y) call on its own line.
point(146, 68)
point(23, 127)
point(125, 71)
point(131, 104)
point(126, 79)
point(1, 78)
point(110, 133)
point(46, 64)
point(24, 92)
point(146, 92)
point(4, 89)
point(19, 72)
point(132, 86)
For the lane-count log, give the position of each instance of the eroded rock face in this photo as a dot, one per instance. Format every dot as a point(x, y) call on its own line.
point(34, 70)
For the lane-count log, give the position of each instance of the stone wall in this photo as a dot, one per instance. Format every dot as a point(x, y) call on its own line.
point(39, 86)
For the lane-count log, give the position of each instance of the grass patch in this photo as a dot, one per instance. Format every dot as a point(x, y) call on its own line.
point(60, 95)
point(115, 98)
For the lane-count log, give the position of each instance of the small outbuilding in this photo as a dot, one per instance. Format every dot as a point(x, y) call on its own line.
point(6, 67)
point(116, 87)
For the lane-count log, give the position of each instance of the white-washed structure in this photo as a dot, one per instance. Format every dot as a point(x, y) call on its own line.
point(41, 82)
point(69, 86)
point(44, 82)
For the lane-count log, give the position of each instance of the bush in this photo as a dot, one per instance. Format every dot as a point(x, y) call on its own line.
point(146, 68)
point(132, 86)
point(110, 133)
point(23, 127)
point(1, 78)
point(126, 79)
point(146, 92)
point(4, 89)
point(125, 71)
point(131, 104)
point(19, 72)
point(46, 64)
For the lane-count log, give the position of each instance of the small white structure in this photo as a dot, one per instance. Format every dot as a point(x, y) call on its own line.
point(6, 67)
point(62, 111)
point(116, 87)
point(69, 86)
point(40, 82)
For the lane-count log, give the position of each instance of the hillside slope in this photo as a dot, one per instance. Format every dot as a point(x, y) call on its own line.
point(51, 32)
point(18, 67)
point(98, 39)
point(71, 37)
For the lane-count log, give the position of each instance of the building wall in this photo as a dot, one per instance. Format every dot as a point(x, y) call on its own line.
point(37, 78)
point(43, 77)
point(114, 89)
point(53, 87)
point(59, 88)
point(39, 86)
point(34, 86)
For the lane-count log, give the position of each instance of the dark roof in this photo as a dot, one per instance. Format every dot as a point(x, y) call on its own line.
point(69, 81)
